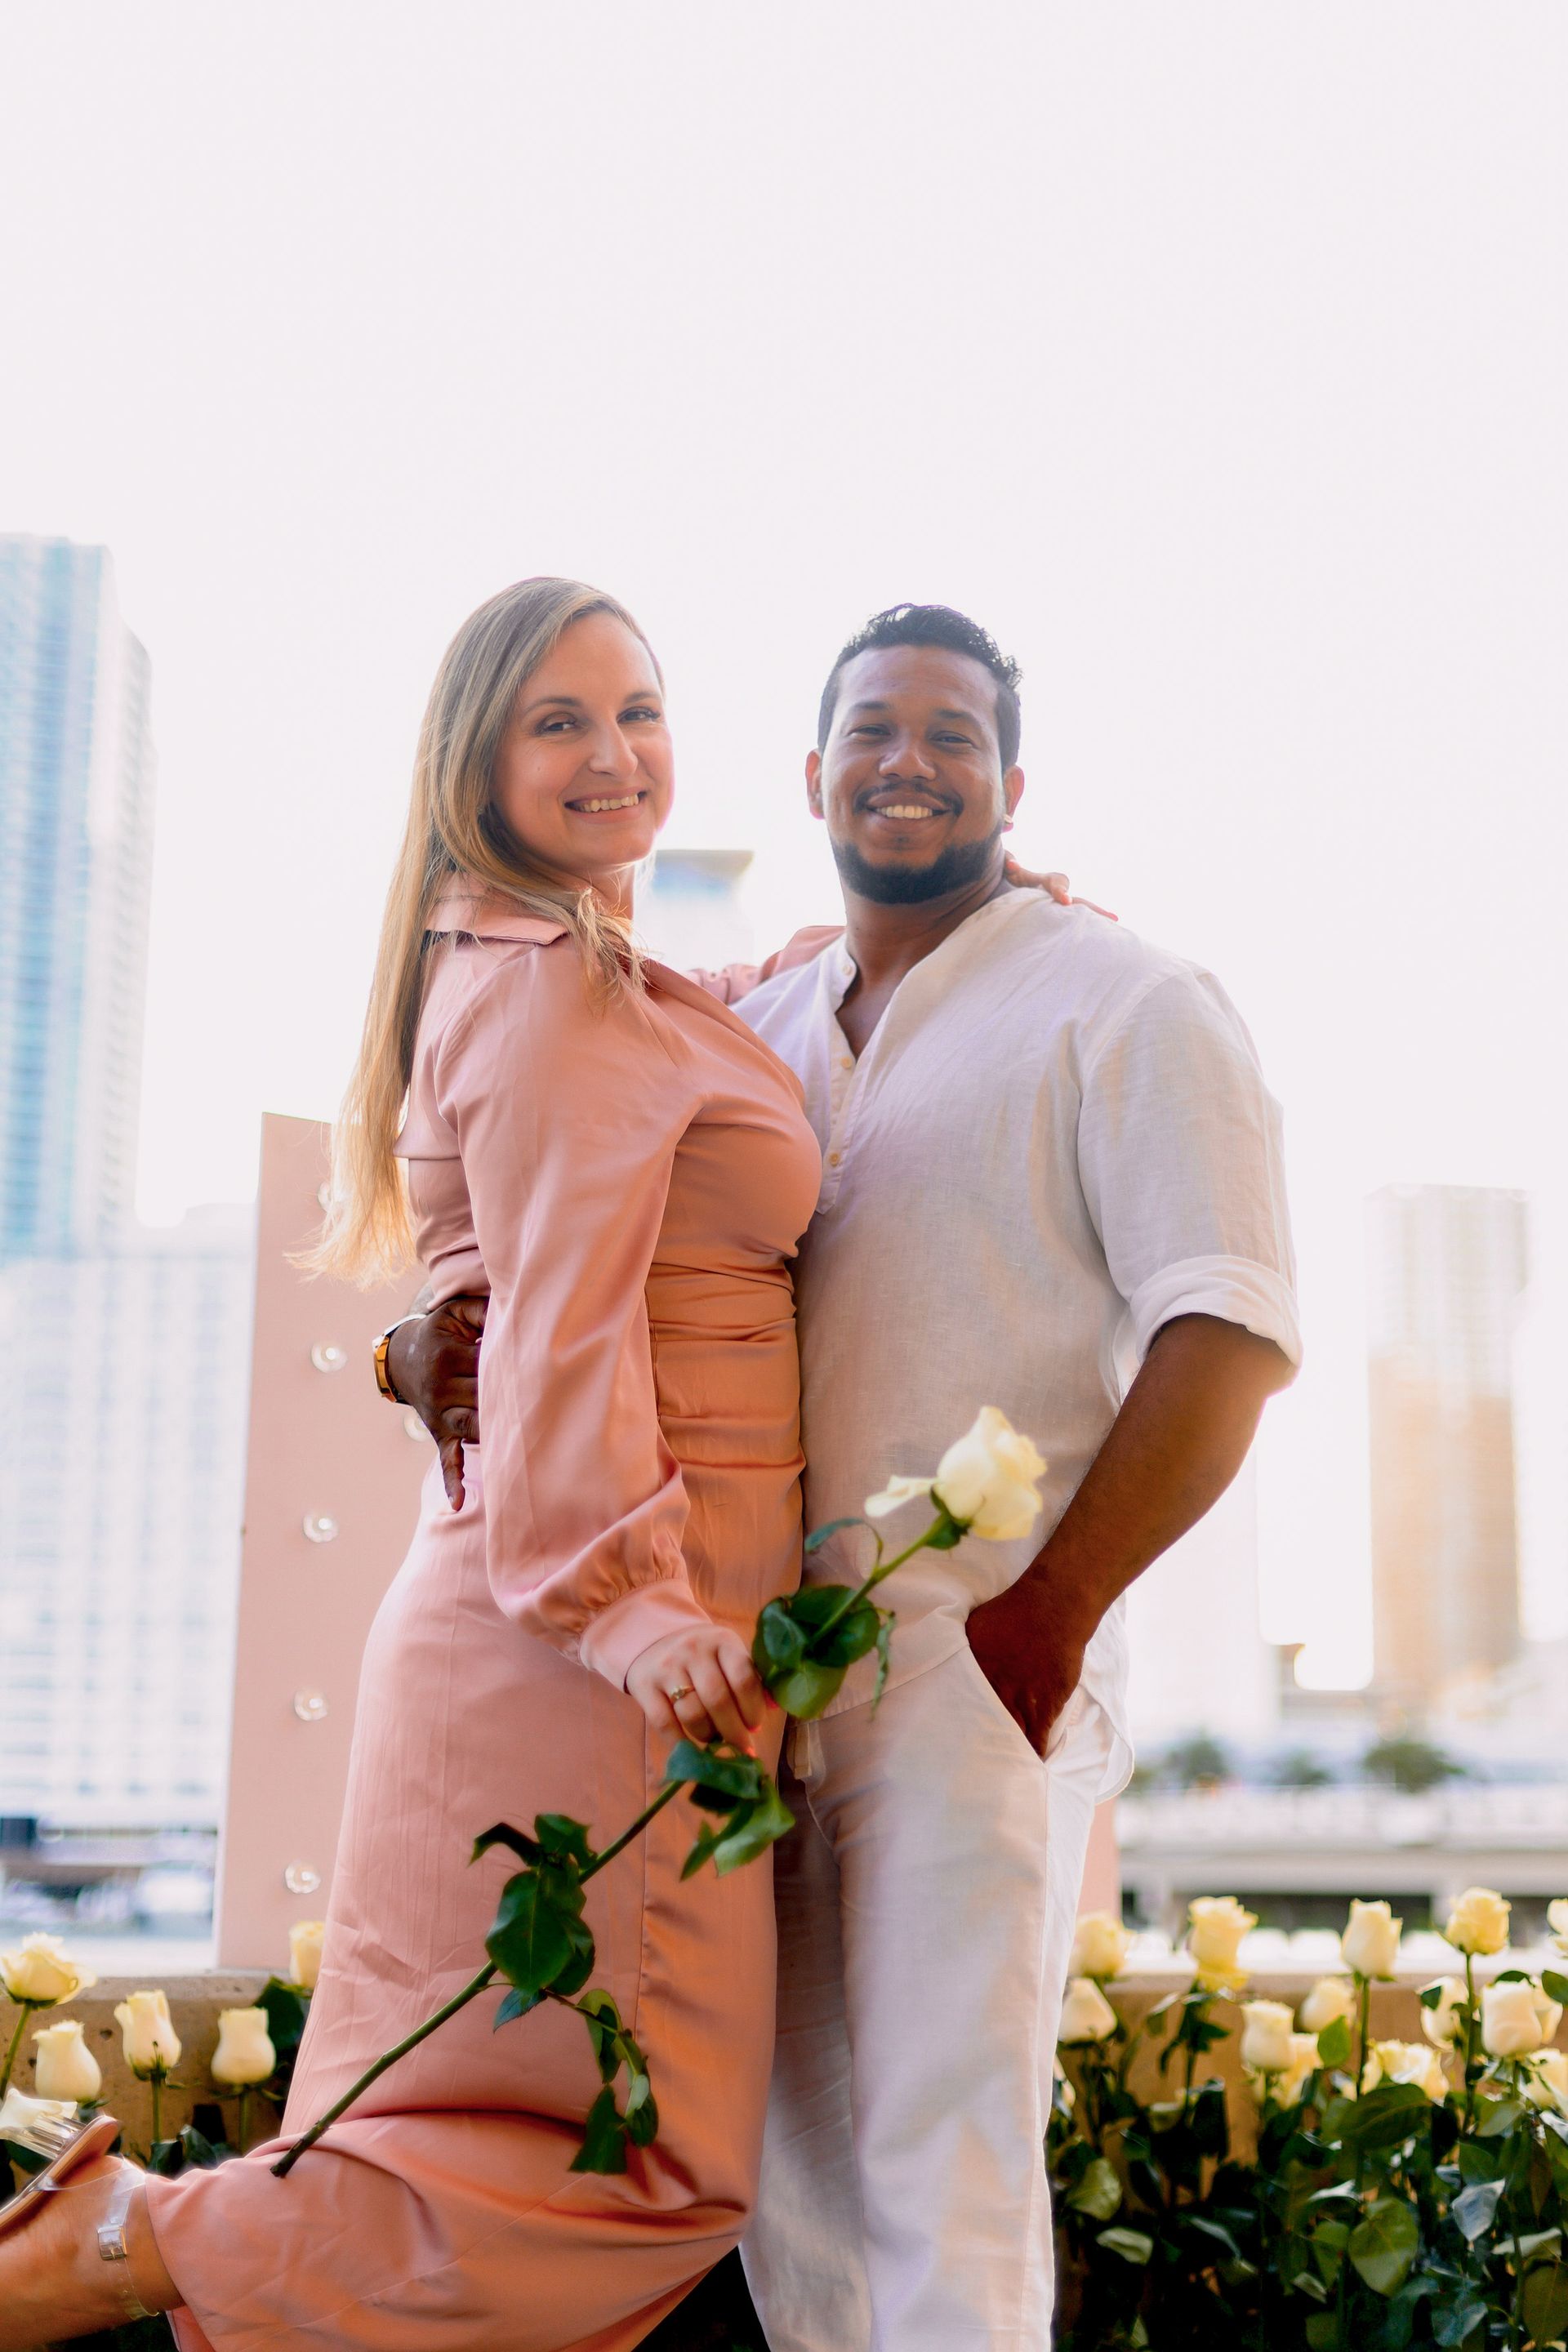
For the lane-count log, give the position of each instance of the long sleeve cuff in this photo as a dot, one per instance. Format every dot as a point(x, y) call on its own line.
point(615, 1636)
point(1232, 1289)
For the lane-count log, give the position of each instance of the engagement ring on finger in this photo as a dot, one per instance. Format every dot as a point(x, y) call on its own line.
point(675, 1697)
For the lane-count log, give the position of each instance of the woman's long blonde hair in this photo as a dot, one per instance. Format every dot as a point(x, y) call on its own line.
point(454, 829)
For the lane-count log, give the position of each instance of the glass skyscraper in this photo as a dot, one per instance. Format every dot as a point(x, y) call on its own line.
point(75, 846)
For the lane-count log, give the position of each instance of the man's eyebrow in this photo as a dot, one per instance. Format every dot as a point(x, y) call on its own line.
point(967, 718)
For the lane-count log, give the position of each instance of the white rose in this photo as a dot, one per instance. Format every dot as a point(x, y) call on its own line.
point(1302, 2066)
point(42, 1972)
point(1547, 2081)
point(1405, 2062)
point(65, 2068)
point(1443, 2023)
point(1216, 1924)
point(1266, 2034)
point(1099, 1947)
point(1087, 2015)
point(1330, 1998)
point(20, 2117)
point(245, 2054)
point(152, 2045)
point(1516, 2018)
point(1065, 2097)
point(1479, 1921)
point(1557, 1919)
point(986, 1481)
point(305, 1952)
point(1370, 1945)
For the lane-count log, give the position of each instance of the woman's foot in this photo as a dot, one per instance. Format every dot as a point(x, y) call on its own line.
point(54, 2283)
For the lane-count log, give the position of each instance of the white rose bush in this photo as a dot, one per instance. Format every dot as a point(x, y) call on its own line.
point(541, 1946)
point(1402, 2194)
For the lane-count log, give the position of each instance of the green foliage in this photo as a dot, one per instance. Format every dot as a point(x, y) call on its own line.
point(1199, 1762)
point(805, 1645)
point(1372, 2221)
point(1411, 1764)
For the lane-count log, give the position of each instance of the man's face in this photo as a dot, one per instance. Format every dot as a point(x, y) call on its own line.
point(909, 782)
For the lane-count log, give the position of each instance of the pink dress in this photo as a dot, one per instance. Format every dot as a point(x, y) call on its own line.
point(629, 1186)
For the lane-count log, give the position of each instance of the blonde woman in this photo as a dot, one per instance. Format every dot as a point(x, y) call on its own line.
point(625, 1169)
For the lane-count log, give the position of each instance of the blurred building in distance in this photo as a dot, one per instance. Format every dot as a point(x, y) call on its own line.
point(1446, 1266)
point(124, 1381)
point(124, 1355)
point(689, 909)
point(76, 849)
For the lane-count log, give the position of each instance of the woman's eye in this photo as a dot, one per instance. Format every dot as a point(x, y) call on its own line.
point(644, 711)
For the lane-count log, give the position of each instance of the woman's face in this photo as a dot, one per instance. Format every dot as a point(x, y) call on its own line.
point(584, 773)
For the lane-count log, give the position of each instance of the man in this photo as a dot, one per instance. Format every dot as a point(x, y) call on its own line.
point(1052, 1181)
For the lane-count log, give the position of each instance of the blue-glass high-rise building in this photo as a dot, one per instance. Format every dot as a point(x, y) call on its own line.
point(76, 846)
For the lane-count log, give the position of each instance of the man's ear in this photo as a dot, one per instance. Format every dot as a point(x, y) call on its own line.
point(813, 783)
point(1012, 791)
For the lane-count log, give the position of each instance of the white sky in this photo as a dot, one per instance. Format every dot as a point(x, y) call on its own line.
point(1212, 355)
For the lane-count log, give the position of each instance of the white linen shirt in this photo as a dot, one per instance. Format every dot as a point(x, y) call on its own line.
point(1058, 1138)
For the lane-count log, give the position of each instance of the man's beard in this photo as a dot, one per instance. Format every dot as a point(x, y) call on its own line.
point(954, 868)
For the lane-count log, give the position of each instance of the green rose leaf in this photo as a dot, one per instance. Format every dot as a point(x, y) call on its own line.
point(779, 1643)
point(1334, 2044)
point(1545, 2299)
point(603, 2148)
point(1383, 2118)
point(516, 1842)
point(819, 1536)
point(580, 1966)
point(1473, 2209)
point(1130, 2244)
point(1453, 2323)
point(642, 2114)
point(1323, 2332)
point(603, 2018)
point(747, 1833)
point(1099, 2193)
point(1386, 2245)
point(563, 1839)
point(806, 1690)
point(287, 2008)
point(884, 1653)
point(532, 1942)
point(731, 1776)
point(1500, 2119)
point(514, 2004)
point(1555, 1984)
point(198, 2149)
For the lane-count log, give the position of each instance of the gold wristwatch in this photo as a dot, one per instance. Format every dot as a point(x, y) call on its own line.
point(382, 1377)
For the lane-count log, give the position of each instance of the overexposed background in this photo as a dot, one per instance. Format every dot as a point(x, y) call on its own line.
point(1213, 356)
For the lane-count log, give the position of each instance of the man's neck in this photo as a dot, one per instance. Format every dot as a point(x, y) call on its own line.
point(887, 941)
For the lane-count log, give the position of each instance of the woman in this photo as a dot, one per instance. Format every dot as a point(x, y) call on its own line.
point(604, 1141)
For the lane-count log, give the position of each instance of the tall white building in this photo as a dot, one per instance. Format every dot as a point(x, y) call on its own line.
point(76, 849)
point(124, 1354)
point(1446, 1266)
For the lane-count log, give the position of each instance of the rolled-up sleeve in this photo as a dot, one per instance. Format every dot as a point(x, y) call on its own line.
point(1182, 1159)
point(568, 1120)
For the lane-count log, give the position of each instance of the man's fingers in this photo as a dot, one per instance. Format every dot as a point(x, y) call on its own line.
point(451, 1453)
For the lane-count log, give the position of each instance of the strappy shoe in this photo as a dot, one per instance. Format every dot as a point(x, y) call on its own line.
point(51, 2129)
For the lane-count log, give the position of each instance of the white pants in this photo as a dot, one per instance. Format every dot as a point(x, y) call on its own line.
point(926, 1906)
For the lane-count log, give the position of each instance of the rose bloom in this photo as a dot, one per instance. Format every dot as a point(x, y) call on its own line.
point(985, 1480)
point(42, 1972)
point(152, 2045)
point(305, 1952)
point(1546, 2080)
point(1370, 1945)
point(1557, 1919)
point(1479, 1922)
point(65, 2068)
point(1099, 1947)
point(1303, 2065)
point(1516, 2018)
point(1217, 1924)
point(1406, 2061)
point(245, 2054)
point(1444, 2024)
point(1265, 2029)
point(1330, 1998)
point(1087, 2015)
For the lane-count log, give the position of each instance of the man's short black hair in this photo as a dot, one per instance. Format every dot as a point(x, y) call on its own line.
point(934, 624)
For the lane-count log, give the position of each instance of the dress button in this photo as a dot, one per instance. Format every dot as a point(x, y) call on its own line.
point(834, 1158)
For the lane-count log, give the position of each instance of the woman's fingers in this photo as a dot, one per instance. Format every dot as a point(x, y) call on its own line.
point(700, 1685)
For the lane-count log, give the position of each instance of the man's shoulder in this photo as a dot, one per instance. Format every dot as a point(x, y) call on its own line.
point(1090, 962)
point(791, 971)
